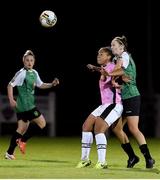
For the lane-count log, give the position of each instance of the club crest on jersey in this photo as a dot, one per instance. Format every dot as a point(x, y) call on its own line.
point(36, 113)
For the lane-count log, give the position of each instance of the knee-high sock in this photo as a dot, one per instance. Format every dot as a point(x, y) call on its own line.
point(128, 149)
point(87, 140)
point(31, 131)
point(13, 143)
point(101, 143)
point(145, 151)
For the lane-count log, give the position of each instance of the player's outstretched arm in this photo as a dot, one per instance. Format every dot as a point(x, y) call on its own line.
point(93, 68)
point(55, 82)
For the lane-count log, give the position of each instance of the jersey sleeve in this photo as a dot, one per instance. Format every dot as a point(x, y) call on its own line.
point(125, 60)
point(109, 69)
point(39, 82)
point(18, 79)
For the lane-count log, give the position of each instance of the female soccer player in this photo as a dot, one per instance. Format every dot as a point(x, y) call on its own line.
point(26, 80)
point(131, 100)
point(109, 111)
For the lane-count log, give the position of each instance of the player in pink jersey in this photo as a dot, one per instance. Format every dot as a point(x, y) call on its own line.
point(109, 111)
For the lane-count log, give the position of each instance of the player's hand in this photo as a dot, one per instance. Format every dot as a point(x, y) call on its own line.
point(55, 82)
point(126, 78)
point(13, 103)
point(104, 72)
point(115, 84)
point(93, 68)
point(90, 66)
point(103, 78)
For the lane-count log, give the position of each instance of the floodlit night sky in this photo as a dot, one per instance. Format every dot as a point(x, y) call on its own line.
point(64, 50)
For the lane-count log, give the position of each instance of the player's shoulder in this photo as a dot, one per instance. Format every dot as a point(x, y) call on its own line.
point(111, 64)
point(19, 74)
point(20, 71)
point(34, 70)
point(125, 54)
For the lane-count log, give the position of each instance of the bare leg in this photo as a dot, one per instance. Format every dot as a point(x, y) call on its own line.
point(125, 144)
point(132, 122)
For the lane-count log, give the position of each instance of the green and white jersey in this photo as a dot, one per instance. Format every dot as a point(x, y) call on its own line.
point(25, 81)
point(129, 89)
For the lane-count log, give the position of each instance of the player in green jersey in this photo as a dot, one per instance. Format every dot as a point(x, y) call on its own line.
point(131, 101)
point(26, 79)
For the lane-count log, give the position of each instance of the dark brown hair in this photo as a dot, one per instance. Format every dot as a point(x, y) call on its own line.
point(108, 50)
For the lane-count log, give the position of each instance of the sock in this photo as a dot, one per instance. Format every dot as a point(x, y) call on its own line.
point(145, 151)
point(87, 140)
point(13, 143)
point(128, 149)
point(101, 143)
point(31, 131)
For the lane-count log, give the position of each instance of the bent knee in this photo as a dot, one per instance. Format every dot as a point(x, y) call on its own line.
point(134, 130)
point(43, 125)
point(21, 130)
point(89, 123)
point(118, 132)
point(87, 127)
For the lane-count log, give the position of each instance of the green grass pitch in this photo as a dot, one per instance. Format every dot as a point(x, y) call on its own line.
point(56, 158)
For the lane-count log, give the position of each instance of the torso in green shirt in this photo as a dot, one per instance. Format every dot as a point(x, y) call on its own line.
point(25, 98)
point(130, 89)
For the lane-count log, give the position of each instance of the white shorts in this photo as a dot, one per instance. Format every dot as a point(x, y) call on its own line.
point(109, 112)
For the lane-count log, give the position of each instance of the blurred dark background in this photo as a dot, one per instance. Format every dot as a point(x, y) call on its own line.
point(64, 50)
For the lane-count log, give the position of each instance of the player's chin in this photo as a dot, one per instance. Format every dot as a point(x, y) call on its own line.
point(28, 67)
point(99, 62)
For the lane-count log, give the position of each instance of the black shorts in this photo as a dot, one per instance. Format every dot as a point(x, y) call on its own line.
point(28, 115)
point(131, 106)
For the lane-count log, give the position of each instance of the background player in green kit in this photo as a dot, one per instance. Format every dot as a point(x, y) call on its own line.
point(26, 80)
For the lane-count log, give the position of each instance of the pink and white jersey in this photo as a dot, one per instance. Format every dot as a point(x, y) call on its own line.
point(109, 94)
